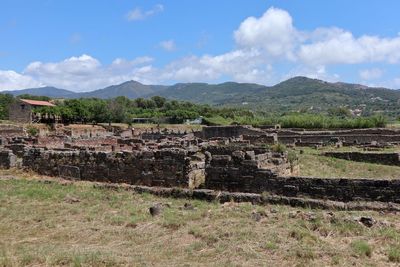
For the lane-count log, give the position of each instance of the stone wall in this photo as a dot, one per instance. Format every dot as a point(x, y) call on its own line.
point(7, 130)
point(84, 131)
point(243, 169)
point(253, 172)
point(164, 167)
point(7, 159)
point(261, 139)
point(303, 137)
point(378, 158)
point(229, 131)
point(263, 181)
point(227, 168)
point(347, 137)
point(20, 112)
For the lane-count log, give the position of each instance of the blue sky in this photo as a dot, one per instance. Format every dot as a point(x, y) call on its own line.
point(85, 45)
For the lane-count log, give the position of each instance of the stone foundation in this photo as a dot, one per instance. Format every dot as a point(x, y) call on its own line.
point(378, 158)
point(347, 137)
point(165, 167)
point(229, 131)
point(232, 159)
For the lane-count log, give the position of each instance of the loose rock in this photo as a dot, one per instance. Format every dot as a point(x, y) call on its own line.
point(367, 221)
point(156, 209)
point(71, 200)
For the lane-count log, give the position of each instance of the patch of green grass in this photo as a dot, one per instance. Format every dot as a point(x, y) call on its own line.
point(305, 253)
point(389, 233)
point(394, 254)
point(271, 245)
point(172, 219)
point(301, 232)
point(348, 228)
point(313, 164)
point(361, 248)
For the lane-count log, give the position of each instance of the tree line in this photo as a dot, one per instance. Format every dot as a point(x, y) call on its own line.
point(123, 110)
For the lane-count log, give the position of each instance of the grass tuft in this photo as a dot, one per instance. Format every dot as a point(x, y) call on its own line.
point(394, 254)
point(361, 248)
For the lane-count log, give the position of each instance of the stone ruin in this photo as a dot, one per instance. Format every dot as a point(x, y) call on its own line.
point(233, 159)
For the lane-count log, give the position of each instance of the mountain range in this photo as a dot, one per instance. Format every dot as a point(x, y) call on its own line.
point(298, 93)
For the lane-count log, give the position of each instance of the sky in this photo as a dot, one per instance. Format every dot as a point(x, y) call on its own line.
point(91, 44)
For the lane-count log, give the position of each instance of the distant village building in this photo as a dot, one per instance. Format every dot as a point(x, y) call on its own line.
point(22, 110)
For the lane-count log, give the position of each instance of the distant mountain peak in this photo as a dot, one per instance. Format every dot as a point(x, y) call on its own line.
point(132, 82)
point(291, 95)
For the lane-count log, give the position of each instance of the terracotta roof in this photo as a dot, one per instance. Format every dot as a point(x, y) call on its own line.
point(37, 102)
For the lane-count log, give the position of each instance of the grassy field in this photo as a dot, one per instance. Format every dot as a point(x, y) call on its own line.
point(312, 164)
point(55, 224)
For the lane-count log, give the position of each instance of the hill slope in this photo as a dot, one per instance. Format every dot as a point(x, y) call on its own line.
point(44, 91)
point(130, 89)
point(298, 93)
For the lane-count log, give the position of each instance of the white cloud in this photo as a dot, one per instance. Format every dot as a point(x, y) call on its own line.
point(138, 14)
point(264, 45)
point(273, 32)
point(11, 80)
point(168, 45)
point(370, 74)
point(81, 73)
point(85, 72)
point(337, 46)
point(240, 65)
point(122, 64)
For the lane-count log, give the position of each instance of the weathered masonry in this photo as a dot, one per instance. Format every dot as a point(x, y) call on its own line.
point(302, 137)
point(347, 137)
point(164, 167)
point(232, 170)
point(7, 159)
point(379, 158)
point(233, 159)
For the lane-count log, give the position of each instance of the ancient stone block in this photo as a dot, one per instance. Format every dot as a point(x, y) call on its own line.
point(69, 172)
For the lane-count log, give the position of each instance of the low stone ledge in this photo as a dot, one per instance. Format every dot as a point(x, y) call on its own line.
point(377, 158)
point(224, 196)
point(259, 199)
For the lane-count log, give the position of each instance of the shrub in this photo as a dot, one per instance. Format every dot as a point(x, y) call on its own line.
point(32, 131)
point(292, 156)
point(280, 148)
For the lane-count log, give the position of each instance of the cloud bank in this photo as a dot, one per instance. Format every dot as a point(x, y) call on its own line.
point(262, 45)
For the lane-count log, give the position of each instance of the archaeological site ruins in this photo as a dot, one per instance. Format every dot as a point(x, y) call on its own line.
point(219, 158)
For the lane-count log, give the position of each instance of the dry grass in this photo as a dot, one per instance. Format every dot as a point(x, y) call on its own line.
point(312, 164)
point(77, 225)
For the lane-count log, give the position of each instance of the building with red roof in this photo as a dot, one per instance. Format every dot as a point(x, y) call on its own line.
point(22, 110)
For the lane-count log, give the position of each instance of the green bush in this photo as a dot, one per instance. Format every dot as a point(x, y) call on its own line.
point(280, 148)
point(32, 131)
